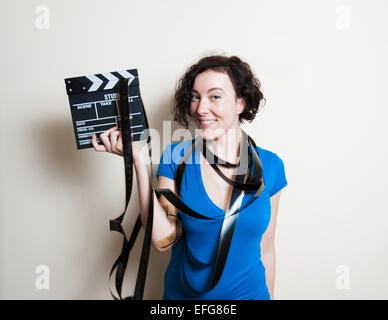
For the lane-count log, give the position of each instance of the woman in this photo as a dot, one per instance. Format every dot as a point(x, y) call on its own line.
point(217, 94)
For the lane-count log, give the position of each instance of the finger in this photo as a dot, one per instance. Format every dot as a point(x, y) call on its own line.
point(120, 145)
point(97, 147)
point(115, 128)
point(105, 139)
point(113, 137)
point(106, 133)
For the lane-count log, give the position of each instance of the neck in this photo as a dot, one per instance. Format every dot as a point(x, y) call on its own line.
point(227, 146)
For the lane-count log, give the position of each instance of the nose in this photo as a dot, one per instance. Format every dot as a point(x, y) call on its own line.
point(203, 106)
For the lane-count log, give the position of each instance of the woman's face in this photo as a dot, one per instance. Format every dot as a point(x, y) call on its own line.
point(214, 107)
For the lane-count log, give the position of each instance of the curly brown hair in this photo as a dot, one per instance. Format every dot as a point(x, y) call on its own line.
point(245, 84)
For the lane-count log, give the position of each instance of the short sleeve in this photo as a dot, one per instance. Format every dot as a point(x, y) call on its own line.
point(171, 157)
point(166, 167)
point(279, 175)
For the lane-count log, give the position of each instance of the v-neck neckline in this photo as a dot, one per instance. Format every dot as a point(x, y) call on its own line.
point(221, 212)
point(202, 186)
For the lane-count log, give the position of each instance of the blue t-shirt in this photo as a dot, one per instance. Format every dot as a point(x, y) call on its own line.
point(193, 257)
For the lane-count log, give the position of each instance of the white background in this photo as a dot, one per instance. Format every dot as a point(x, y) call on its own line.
point(323, 68)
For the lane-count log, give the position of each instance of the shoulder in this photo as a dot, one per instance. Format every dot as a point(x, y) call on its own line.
point(273, 170)
point(268, 158)
point(174, 152)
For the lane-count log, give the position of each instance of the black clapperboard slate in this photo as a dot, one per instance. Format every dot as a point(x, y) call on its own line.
point(93, 105)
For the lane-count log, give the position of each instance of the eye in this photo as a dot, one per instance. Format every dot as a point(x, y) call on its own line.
point(215, 97)
point(194, 97)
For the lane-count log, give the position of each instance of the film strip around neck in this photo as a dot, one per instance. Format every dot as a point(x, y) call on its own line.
point(251, 181)
point(241, 184)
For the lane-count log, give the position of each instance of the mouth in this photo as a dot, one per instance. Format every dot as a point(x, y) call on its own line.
point(207, 123)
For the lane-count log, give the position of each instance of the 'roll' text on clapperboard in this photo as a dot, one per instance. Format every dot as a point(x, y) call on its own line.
point(93, 105)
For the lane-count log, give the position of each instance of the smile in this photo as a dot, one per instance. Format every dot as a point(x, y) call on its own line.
point(207, 121)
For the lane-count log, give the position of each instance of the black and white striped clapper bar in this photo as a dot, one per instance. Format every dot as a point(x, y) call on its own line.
point(93, 105)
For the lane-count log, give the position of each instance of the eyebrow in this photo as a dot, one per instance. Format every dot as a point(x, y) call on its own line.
point(193, 90)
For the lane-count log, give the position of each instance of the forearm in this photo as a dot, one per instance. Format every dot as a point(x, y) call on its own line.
point(269, 261)
point(162, 225)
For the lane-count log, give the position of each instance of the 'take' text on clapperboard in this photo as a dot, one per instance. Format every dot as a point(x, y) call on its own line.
point(93, 105)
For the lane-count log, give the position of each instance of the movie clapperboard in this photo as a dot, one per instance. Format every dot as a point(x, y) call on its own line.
point(93, 105)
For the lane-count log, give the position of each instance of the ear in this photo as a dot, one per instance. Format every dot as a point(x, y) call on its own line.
point(241, 105)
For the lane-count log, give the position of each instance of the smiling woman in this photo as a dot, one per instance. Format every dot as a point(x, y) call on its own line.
point(215, 110)
point(245, 85)
point(213, 257)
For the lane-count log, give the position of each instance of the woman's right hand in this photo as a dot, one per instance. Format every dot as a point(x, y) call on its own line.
point(113, 143)
point(164, 225)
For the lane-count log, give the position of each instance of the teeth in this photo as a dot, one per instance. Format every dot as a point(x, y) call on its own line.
point(208, 121)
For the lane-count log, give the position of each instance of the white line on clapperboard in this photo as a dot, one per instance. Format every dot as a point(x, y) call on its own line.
point(106, 124)
point(95, 108)
point(78, 104)
point(85, 135)
point(131, 114)
point(98, 139)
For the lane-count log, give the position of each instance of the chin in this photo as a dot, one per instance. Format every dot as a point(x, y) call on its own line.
point(210, 134)
point(206, 136)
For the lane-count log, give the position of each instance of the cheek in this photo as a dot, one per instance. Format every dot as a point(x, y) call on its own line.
point(221, 112)
point(192, 109)
point(218, 109)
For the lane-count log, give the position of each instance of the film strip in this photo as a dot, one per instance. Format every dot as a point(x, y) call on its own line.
point(94, 107)
point(122, 103)
point(250, 180)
